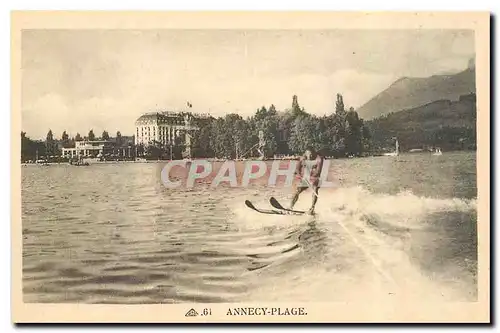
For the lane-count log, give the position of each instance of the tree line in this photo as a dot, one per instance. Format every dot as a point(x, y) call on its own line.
point(51, 146)
point(340, 133)
point(287, 132)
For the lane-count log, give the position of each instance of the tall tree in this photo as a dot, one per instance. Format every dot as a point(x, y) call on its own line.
point(295, 103)
point(235, 134)
point(339, 105)
point(78, 137)
point(118, 138)
point(260, 114)
point(64, 136)
point(340, 124)
point(105, 135)
point(65, 140)
point(284, 129)
point(50, 136)
point(296, 109)
point(240, 135)
point(354, 137)
point(304, 134)
point(221, 144)
point(367, 145)
point(155, 150)
point(268, 124)
point(50, 144)
point(140, 149)
point(91, 135)
point(31, 148)
point(272, 110)
point(201, 142)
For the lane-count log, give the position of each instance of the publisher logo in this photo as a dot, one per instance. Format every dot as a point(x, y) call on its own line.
point(191, 313)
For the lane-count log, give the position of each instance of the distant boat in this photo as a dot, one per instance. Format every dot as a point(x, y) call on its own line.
point(40, 161)
point(438, 152)
point(396, 152)
point(79, 162)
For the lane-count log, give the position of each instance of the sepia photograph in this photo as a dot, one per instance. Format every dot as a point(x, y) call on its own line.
point(259, 167)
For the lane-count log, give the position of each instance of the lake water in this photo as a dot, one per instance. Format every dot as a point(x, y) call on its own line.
point(394, 227)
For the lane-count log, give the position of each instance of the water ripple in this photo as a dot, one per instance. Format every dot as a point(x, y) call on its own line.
point(114, 234)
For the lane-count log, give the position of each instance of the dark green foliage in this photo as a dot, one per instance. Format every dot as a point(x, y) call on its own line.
point(445, 124)
point(118, 138)
point(105, 135)
point(289, 132)
point(91, 136)
point(29, 148)
point(51, 148)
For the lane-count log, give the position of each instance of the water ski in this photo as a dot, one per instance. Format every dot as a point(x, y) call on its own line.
point(263, 211)
point(275, 203)
point(272, 211)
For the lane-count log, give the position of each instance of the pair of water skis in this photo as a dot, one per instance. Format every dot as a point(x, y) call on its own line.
point(278, 208)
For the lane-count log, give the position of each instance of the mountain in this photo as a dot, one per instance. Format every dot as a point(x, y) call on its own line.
point(447, 124)
point(408, 92)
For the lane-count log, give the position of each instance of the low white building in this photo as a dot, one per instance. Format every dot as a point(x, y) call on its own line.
point(89, 149)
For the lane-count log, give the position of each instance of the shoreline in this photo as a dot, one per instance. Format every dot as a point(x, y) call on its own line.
point(237, 160)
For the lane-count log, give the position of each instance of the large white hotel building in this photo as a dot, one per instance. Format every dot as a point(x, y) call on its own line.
point(165, 126)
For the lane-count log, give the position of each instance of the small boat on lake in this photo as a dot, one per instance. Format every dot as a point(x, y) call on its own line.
point(78, 162)
point(438, 152)
point(396, 152)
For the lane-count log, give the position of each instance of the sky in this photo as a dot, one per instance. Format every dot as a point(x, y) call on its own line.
point(77, 80)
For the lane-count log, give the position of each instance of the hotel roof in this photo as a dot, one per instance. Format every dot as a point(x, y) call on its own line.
point(169, 116)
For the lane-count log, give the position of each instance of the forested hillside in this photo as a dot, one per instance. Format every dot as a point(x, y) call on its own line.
point(447, 124)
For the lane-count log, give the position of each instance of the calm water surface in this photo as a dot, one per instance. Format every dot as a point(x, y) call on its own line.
point(112, 233)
